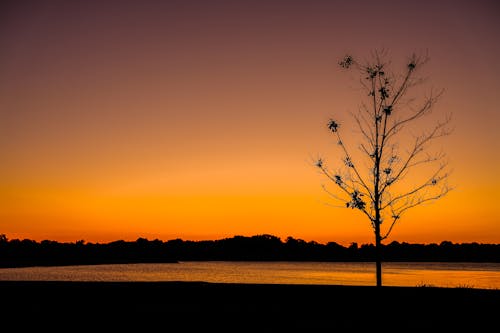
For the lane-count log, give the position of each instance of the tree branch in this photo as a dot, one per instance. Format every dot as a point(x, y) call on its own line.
point(344, 189)
point(417, 114)
point(438, 131)
point(432, 181)
point(397, 215)
point(352, 165)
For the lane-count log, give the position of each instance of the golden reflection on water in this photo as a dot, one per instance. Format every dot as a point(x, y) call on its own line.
point(470, 275)
point(465, 275)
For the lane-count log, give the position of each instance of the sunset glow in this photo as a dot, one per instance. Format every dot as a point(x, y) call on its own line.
point(201, 119)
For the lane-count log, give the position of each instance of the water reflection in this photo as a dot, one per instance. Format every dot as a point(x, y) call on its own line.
point(475, 275)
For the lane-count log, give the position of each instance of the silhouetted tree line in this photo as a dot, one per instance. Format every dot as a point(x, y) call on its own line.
point(16, 253)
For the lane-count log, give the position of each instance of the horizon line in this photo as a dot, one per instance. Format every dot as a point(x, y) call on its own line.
point(4, 237)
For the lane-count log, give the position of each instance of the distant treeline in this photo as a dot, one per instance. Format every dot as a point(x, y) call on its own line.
point(16, 253)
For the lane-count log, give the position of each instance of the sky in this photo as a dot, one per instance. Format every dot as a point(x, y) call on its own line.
point(200, 119)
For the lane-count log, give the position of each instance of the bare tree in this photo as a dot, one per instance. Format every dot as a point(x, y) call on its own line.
point(373, 179)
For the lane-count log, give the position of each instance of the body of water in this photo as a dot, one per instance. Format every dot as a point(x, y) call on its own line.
point(471, 275)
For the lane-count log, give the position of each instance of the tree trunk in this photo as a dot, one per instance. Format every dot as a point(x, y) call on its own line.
point(378, 249)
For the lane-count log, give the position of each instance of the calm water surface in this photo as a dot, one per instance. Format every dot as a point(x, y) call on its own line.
point(475, 275)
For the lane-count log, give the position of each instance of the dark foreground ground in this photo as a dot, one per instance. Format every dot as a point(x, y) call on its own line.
point(193, 306)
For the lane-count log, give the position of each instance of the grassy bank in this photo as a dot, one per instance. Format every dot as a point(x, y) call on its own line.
point(238, 307)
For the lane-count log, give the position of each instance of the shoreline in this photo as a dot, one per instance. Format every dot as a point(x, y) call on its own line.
point(216, 305)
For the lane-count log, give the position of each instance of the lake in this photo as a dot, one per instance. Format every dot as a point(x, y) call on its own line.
point(471, 275)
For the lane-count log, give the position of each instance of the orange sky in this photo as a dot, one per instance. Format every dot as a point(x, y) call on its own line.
point(198, 120)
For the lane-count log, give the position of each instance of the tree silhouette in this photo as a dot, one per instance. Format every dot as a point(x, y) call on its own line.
point(373, 179)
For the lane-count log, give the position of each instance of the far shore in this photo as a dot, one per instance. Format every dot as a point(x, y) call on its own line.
point(26, 252)
point(243, 307)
